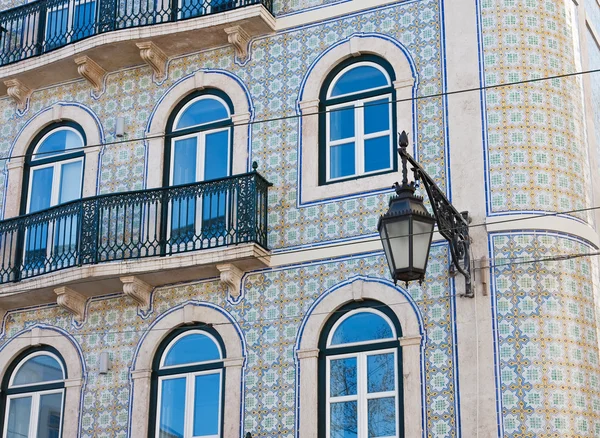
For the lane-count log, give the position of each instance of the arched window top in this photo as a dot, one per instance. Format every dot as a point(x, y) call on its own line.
point(202, 110)
point(192, 347)
point(36, 369)
point(58, 141)
point(359, 78)
point(361, 326)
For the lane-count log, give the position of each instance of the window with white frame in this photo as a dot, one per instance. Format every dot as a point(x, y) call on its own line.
point(199, 149)
point(360, 365)
point(357, 121)
point(33, 396)
point(188, 385)
point(54, 167)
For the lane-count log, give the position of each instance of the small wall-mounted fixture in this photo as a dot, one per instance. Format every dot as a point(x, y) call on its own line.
point(120, 127)
point(104, 364)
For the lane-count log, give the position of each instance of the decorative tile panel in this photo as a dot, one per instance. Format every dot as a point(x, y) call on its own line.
point(546, 336)
point(537, 158)
point(269, 315)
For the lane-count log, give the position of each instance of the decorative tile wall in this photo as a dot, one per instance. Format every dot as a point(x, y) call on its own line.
point(272, 76)
point(269, 315)
point(536, 154)
point(546, 337)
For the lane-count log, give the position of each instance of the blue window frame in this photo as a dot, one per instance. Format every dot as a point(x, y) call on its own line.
point(360, 369)
point(357, 121)
point(199, 146)
point(32, 395)
point(187, 385)
point(54, 175)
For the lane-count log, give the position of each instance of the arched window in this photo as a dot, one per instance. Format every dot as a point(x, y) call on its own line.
point(187, 385)
point(357, 121)
point(360, 364)
point(33, 396)
point(199, 147)
point(54, 169)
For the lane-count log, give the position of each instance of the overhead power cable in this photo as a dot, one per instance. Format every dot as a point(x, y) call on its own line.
point(297, 116)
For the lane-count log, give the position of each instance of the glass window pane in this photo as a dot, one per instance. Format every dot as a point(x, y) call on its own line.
point(59, 141)
point(85, 17)
point(184, 161)
point(342, 377)
point(361, 327)
point(381, 374)
point(38, 369)
point(382, 417)
point(201, 112)
point(207, 405)
point(216, 155)
point(342, 160)
point(361, 78)
point(193, 348)
point(49, 416)
point(56, 26)
point(19, 412)
point(344, 420)
point(41, 189)
point(172, 408)
point(70, 182)
point(377, 116)
point(341, 123)
point(377, 153)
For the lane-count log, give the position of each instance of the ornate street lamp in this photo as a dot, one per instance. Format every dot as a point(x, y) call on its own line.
point(406, 229)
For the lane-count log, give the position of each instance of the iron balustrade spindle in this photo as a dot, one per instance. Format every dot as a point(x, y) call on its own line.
point(130, 225)
point(45, 25)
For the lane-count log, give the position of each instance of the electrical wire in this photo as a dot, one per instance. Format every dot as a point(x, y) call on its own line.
point(299, 116)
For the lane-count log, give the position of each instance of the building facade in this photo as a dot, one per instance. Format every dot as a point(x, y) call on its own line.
point(190, 197)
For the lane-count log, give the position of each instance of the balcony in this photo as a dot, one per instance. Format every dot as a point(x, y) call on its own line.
point(40, 41)
point(152, 237)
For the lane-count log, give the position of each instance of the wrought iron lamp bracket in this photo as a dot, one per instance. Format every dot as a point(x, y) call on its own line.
point(452, 225)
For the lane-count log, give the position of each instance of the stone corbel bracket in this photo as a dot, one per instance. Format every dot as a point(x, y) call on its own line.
point(72, 301)
point(139, 291)
point(240, 40)
point(91, 72)
point(231, 276)
point(19, 92)
point(155, 58)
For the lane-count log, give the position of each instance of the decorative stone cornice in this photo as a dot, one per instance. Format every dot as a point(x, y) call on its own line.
point(91, 71)
point(73, 302)
point(239, 39)
point(231, 275)
point(155, 58)
point(139, 290)
point(19, 92)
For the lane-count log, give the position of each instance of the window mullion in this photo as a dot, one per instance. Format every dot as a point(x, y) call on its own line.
point(33, 424)
point(362, 395)
point(359, 135)
point(188, 418)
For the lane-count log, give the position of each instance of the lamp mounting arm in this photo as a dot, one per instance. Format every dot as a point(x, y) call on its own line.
point(452, 225)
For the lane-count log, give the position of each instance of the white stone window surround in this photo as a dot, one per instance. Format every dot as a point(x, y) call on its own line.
point(405, 86)
point(77, 113)
point(70, 352)
point(234, 363)
point(307, 351)
point(200, 80)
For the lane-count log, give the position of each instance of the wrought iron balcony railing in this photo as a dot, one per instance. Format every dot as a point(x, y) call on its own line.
point(132, 225)
point(44, 25)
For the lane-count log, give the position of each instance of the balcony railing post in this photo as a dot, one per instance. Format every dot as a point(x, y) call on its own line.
point(88, 232)
point(19, 253)
point(41, 30)
point(107, 15)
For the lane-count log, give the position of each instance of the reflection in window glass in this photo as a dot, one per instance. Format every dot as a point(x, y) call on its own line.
point(344, 418)
point(172, 408)
point(38, 369)
point(362, 327)
point(382, 417)
point(201, 112)
point(49, 415)
point(193, 348)
point(19, 411)
point(359, 79)
point(343, 378)
point(60, 140)
point(207, 404)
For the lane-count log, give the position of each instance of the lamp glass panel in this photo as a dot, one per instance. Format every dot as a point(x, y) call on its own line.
point(422, 232)
point(386, 248)
point(398, 235)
